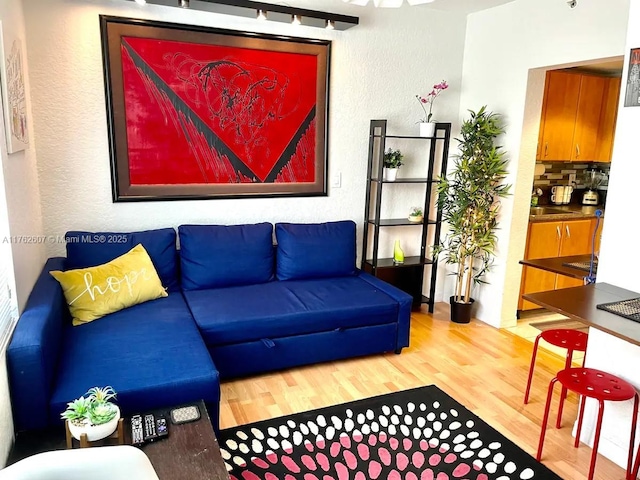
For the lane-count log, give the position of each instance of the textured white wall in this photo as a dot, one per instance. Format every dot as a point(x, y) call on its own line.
point(620, 263)
point(377, 68)
point(21, 181)
point(502, 45)
point(23, 203)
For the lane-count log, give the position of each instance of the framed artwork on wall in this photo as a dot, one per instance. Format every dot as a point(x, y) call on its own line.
point(198, 113)
point(632, 94)
point(12, 86)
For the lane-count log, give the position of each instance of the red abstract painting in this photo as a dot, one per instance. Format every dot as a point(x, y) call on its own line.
point(199, 114)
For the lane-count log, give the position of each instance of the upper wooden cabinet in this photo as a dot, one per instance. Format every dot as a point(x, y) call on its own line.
point(578, 117)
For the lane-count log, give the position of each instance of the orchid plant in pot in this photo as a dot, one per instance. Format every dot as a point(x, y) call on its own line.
point(93, 414)
point(469, 198)
point(427, 127)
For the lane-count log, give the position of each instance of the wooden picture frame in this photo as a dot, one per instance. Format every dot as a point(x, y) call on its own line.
point(199, 113)
point(632, 92)
point(13, 89)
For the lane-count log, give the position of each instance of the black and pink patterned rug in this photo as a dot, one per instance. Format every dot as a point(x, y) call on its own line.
point(418, 434)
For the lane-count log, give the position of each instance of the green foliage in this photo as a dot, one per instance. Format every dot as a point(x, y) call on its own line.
point(470, 200)
point(393, 159)
point(100, 413)
point(95, 407)
point(77, 410)
point(102, 395)
point(416, 211)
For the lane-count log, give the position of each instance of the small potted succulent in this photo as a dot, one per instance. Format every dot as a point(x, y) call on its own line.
point(392, 161)
point(93, 414)
point(416, 215)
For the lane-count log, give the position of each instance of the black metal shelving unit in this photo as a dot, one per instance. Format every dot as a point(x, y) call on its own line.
point(408, 276)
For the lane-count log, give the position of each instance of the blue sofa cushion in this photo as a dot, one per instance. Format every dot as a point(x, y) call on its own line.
point(213, 256)
point(152, 355)
point(282, 309)
point(315, 250)
point(88, 249)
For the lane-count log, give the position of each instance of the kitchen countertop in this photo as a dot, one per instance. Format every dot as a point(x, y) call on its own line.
point(557, 265)
point(579, 303)
point(574, 212)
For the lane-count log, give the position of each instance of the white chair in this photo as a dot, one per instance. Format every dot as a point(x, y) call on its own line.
point(122, 462)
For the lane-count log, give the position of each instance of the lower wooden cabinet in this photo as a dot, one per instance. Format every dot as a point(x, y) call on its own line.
point(549, 240)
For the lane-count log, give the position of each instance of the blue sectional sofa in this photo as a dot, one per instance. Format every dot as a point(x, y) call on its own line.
point(237, 305)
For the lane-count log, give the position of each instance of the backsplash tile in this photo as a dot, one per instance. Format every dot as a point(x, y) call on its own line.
point(557, 173)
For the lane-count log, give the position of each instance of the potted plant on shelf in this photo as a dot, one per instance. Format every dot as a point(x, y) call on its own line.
point(93, 414)
point(469, 198)
point(392, 161)
point(416, 215)
point(427, 127)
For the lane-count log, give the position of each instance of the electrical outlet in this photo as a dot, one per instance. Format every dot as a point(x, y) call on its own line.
point(572, 178)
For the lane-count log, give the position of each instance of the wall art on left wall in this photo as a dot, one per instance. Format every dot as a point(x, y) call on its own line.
point(13, 90)
point(198, 113)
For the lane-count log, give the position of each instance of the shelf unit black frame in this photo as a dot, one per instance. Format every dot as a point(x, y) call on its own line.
point(409, 276)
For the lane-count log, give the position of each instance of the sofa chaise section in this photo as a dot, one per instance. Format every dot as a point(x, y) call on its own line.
point(152, 353)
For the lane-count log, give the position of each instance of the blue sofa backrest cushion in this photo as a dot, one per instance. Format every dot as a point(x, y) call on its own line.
point(315, 250)
point(88, 249)
point(213, 256)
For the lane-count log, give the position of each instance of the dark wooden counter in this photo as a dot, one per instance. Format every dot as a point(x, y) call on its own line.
point(579, 303)
point(555, 265)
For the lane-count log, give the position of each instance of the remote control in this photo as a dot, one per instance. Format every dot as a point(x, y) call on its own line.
point(185, 414)
point(161, 427)
point(137, 435)
point(150, 428)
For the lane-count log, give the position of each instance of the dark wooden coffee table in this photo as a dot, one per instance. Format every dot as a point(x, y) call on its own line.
point(190, 451)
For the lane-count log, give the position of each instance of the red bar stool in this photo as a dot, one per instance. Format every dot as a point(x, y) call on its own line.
point(592, 383)
point(572, 340)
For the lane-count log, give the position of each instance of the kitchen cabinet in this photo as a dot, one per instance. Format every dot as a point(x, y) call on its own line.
point(608, 118)
point(578, 117)
point(550, 240)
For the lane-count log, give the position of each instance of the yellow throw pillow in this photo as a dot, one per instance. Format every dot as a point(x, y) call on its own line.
point(125, 281)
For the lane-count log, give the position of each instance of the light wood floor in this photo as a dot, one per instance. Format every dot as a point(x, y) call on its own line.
point(483, 368)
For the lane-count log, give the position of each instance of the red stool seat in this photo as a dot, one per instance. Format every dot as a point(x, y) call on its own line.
point(572, 340)
point(596, 384)
point(601, 386)
point(566, 338)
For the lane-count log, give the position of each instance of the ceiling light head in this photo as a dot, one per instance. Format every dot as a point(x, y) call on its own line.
point(572, 3)
point(183, 3)
point(330, 25)
point(141, 2)
point(262, 15)
point(296, 20)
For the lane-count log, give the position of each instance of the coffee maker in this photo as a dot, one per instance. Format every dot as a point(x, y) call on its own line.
point(593, 178)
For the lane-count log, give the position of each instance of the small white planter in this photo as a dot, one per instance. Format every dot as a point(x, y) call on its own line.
point(95, 432)
point(389, 174)
point(416, 218)
point(427, 129)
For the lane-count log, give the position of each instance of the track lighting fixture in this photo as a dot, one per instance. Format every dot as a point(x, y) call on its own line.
point(261, 10)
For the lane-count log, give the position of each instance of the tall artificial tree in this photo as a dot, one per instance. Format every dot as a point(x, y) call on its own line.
point(469, 198)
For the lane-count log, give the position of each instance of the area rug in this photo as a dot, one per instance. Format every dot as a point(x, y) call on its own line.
point(417, 434)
